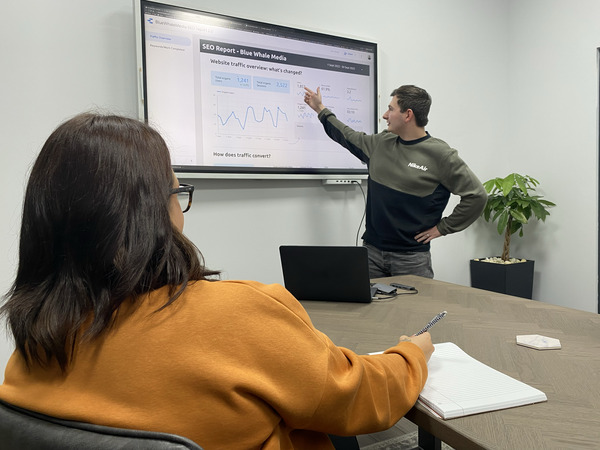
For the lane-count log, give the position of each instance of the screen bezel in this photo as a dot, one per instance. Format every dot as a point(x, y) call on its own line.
point(267, 27)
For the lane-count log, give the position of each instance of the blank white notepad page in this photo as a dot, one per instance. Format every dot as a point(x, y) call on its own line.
point(459, 385)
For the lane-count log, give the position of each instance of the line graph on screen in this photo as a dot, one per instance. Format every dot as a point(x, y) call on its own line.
point(247, 117)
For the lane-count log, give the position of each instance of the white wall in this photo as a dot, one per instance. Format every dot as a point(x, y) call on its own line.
point(514, 87)
point(553, 128)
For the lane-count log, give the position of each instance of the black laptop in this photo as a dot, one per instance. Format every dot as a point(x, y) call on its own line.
point(339, 274)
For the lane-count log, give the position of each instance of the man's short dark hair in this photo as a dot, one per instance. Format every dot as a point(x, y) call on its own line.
point(416, 99)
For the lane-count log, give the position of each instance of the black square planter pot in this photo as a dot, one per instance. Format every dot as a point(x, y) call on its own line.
point(512, 279)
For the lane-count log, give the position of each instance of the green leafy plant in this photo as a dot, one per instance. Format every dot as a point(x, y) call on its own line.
point(511, 202)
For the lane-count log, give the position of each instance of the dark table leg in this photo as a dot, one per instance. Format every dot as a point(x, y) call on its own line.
point(428, 441)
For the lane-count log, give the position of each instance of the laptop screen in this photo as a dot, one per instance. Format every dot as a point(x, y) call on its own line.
point(329, 273)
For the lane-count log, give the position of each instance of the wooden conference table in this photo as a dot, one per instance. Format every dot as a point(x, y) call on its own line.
point(485, 324)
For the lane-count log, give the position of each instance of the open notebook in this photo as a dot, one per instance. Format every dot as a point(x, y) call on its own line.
point(459, 385)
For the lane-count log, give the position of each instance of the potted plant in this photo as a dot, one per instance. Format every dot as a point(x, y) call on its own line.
point(511, 202)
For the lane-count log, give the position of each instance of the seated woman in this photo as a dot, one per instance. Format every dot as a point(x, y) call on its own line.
point(117, 321)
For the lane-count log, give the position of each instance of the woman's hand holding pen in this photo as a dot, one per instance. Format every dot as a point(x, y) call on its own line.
point(426, 344)
point(423, 341)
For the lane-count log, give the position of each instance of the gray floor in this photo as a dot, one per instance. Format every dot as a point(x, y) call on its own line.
point(402, 436)
point(394, 437)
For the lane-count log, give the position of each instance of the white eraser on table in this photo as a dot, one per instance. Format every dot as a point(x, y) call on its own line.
point(538, 342)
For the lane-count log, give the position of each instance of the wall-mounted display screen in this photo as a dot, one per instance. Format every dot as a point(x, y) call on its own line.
point(227, 93)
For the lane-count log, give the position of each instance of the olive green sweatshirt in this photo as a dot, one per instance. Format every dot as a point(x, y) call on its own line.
point(409, 185)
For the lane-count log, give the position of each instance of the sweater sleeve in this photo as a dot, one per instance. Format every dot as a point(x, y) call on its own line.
point(366, 394)
point(358, 143)
point(322, 387)
point(460, 180)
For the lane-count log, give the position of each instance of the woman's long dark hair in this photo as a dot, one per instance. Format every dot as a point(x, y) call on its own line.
point(95, 232)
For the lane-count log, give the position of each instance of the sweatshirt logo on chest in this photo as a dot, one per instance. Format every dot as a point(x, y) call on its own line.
point(416, 166)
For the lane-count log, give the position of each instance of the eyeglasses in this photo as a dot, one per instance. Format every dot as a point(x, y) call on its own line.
point(184, 196)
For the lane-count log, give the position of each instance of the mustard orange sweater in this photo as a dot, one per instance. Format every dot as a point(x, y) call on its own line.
point(230, 365)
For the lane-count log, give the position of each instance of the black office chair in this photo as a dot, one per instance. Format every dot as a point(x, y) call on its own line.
point(344, 442)
point(23, 429)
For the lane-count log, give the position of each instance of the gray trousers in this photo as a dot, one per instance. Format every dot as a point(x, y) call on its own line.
point(389, 264)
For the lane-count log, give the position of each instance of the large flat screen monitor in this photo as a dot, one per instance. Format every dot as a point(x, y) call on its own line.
point(227, 93)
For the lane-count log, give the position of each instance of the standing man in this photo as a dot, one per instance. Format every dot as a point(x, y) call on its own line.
point(411, 176)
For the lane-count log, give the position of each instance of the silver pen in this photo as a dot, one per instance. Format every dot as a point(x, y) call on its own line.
point(433, 321)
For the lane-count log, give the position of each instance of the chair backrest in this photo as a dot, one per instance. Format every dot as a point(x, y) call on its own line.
point(23, 429)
